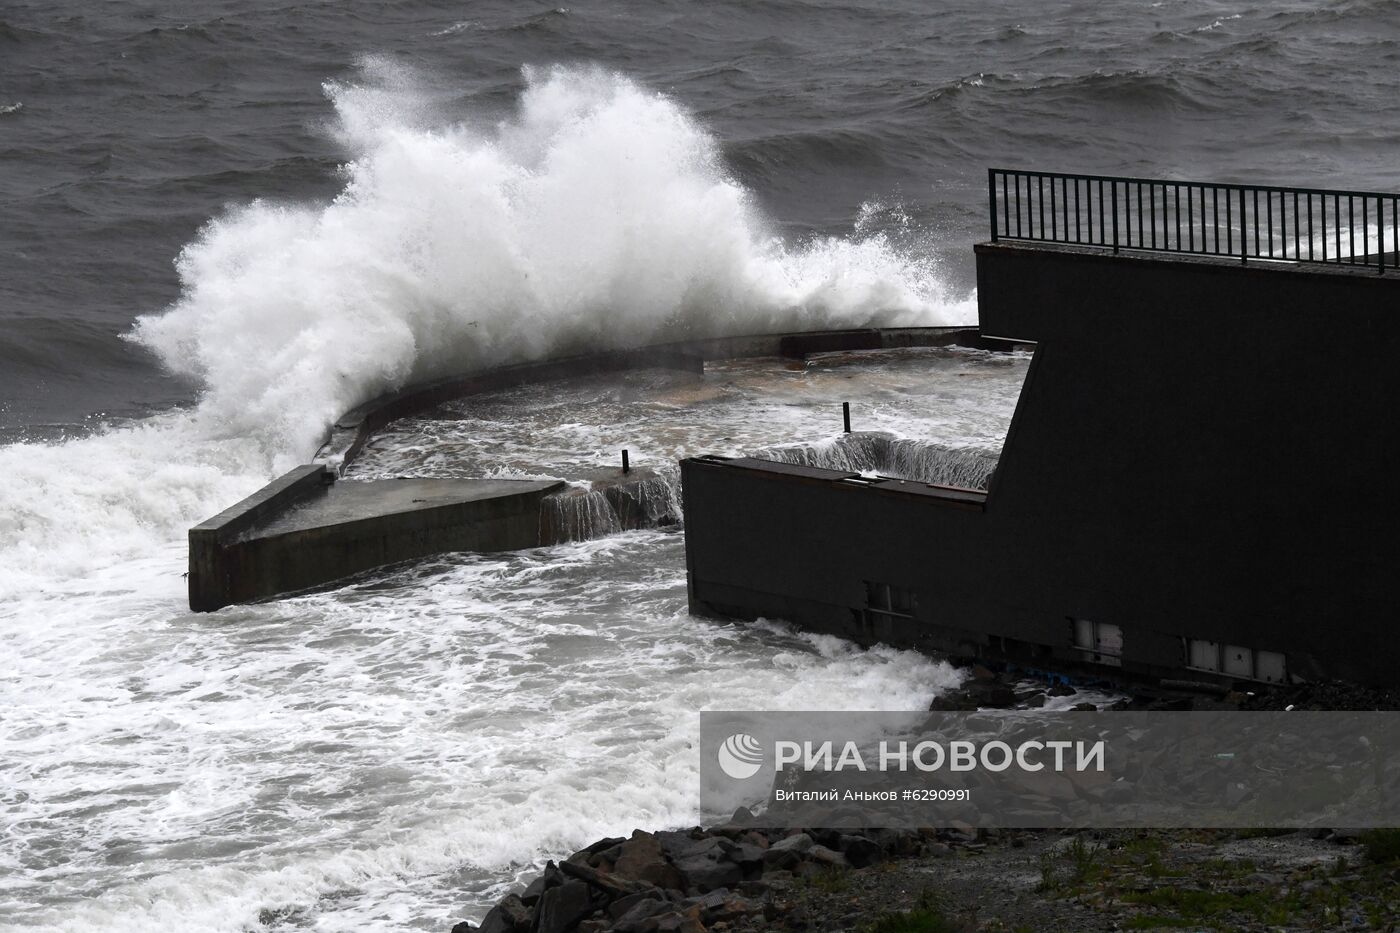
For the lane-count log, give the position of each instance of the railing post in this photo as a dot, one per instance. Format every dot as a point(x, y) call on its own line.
point(1380, 233)
point(1113, 189)
point(992, 199)
point(1244, 238)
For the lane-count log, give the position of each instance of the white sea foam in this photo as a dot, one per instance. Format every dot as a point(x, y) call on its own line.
point(599, 214)
point(332, 756)
point(68, 508)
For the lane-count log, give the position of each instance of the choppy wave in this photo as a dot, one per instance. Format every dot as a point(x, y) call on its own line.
point(333, 760)
point(600, 214)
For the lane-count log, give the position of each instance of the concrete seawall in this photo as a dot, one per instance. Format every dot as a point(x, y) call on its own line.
point(341, 529)
point(305, 528)
point(350, 431)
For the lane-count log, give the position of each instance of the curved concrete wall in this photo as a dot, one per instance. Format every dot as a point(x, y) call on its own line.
point(233, 558)
point(351, 430)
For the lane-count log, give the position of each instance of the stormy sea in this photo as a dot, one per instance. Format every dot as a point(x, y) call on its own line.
point(224, 224)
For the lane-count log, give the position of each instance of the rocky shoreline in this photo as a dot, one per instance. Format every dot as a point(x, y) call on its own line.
point(958, 878)
point(695, 880)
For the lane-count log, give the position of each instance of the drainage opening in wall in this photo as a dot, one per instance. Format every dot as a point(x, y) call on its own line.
point(1098, 642)
point(881, 599)
point(1234, 660)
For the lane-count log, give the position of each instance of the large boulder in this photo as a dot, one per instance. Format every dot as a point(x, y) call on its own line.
point(860, 851)
point(641, 859)
point(641, 915)
point(709, 869)
point(679, 846)
point(508, 916)
point(562, 907)
point(830, 858)
point(748, 857)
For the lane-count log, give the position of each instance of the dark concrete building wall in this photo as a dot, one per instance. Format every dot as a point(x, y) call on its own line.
point(1200, 450)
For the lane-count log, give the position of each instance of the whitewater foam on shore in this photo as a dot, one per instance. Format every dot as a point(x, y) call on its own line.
point(327, 759)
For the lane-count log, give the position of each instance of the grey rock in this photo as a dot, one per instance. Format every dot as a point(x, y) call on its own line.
point(639, 913)
point(860, 851)
point(533, 891)
point(642, 859)
point(619, 908)
point(681, 846)
point(562, 907)
point(824, 856)
point(510, 914)
point(748, 857)
point(708, 871)
point(549, 878)
point(602, 845)
point(798, 843)
point(952, 703)
point(786, 854)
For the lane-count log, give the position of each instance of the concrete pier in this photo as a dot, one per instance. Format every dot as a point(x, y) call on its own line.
point(305, 529)
point(319, 533)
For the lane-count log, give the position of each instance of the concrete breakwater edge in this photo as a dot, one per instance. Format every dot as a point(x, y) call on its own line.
point(962, 879)
point(313, 525)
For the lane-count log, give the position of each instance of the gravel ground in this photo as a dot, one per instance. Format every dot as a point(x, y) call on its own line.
point(1105, 881)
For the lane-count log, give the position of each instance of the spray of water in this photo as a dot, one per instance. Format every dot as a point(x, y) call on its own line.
point(146, 747)
point(599, 214)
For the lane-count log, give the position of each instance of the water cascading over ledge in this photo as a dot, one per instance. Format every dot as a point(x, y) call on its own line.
point(897, 457)
point(645, 499)
point(609, 505)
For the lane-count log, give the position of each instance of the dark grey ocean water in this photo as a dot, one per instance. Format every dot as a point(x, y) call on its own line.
point(126, 126)
point(307, 204)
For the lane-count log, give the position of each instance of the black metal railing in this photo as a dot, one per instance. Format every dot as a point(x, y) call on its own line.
point(1245, 222)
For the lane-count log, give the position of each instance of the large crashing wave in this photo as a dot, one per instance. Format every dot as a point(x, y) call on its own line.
point(599, 215)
